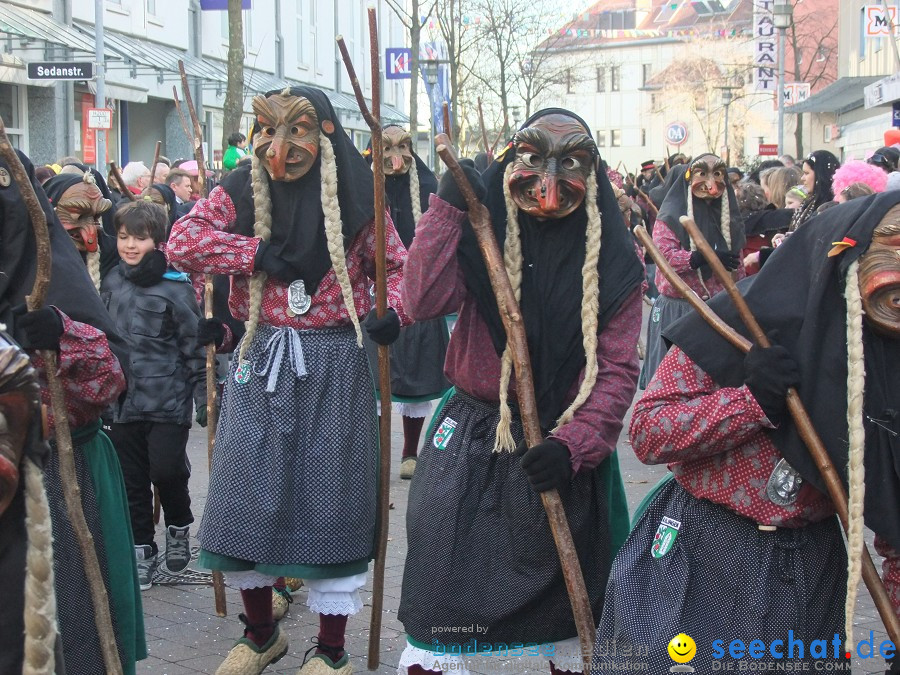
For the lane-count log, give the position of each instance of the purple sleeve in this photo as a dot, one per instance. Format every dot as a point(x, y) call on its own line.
point(432, 283)
point(592, 433)
point(670, 247)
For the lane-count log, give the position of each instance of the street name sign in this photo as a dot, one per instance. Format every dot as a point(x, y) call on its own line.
point(61, 70)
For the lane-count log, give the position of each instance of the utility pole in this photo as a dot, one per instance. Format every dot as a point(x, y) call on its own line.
point(100, 96)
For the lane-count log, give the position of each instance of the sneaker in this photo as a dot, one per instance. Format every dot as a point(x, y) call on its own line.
point(178, 548)
point(407, 468)
point(146, 565)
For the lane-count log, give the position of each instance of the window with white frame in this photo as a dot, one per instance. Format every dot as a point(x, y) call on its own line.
point(302, 41)
point(313, 37)
point(11, 110)
point(151, 7)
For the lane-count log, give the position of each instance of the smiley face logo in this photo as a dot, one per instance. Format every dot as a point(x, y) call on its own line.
point(682, 648)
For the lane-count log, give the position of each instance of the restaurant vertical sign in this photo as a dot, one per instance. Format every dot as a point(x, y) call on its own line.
point(765, 46)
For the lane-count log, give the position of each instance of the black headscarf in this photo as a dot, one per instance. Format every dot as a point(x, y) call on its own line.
point(71, 289)
point(658, 193)
point(399, 200)
point(707, 215)
point(767, 220)
point(106, 236)
point(799, 291)
point(553, 253)
point(298, 223)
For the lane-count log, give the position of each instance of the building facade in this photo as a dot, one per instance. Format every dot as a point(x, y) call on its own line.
point(285, 42)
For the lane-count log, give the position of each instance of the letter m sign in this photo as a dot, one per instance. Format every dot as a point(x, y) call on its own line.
point(399, 60)
point(879, 22)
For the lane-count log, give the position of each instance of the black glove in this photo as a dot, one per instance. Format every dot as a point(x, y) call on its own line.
point(149, 271)
point(548, 464)
point(768, 373)
point(210, 331)
point(728, 259)
point(201, 414)
point(385, 330)
point(39, 329)
point(267, 260)
point(448, 190)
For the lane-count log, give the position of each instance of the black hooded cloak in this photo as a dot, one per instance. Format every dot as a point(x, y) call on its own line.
point(298, 223)
point(71, 289)
point(553, 254)
point(707, 215)
point(800, 292)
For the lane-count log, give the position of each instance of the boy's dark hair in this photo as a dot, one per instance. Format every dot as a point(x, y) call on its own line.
point(142, 218)
point(236, 137)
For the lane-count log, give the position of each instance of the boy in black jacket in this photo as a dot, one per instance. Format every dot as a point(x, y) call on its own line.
point(159, 316)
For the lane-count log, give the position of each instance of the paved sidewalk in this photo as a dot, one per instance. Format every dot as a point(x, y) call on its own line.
point(184, 634)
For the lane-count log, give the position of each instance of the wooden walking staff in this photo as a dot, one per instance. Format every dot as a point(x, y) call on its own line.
point(518, 344)
point(448, 129)
point(373, 119)
point(211, 410)
point(807, 432)
point(155, 162)
point(68, 478)
point(122, 187)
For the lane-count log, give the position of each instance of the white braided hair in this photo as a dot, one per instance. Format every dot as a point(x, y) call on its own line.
point(262, 228)
point(414, 197)
point(590, 305)
point(93, 268)
point(334, 235)
point(856, 374)
point(40, 597)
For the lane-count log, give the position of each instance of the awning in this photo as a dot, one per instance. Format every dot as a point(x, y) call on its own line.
point(28, 24)
point(839, 97)
point(347, 103)
point(121, 92)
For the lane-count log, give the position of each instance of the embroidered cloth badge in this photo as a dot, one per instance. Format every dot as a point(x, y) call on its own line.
point(665, 536)
point(242, 374)
point(444, 433)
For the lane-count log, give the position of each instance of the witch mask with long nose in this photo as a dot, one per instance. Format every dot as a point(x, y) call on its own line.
point(554, 157)
point(79, 209)
point(397, 146)
point(287, 142)
point(707, 175)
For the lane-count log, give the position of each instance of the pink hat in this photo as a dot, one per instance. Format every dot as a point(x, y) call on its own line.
point(191, 168)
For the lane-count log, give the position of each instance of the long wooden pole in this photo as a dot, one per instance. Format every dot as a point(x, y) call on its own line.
point(155, 162)
point(122, 187)
point(212, 410)
point(448, 129)
point(64, 447)
point(373, 119)
point(518, 344)
point(806, 430)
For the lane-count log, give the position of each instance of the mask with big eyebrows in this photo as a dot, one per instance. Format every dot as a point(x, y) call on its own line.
point(879, 278)
point(287, 143)
point(554, 157)
point(708, 174)
point(397, 145)
point(79, 210)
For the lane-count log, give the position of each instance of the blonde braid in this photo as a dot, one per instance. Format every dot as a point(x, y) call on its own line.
point(331, 207)
point(415, 200)
point(856, 373)
point(262, 228)
point(725, 221)
point(40, 598)
point(590, 301)
point(93, 268)
point(512, 260)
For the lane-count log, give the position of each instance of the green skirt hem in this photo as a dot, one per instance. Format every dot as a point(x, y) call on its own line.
point(224, 563)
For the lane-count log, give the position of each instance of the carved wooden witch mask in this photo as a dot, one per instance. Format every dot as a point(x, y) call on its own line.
point(287, 143)
point(879, 277)
point(554, 157)
point(397, 146)
point(79, 210)
point(707, 175)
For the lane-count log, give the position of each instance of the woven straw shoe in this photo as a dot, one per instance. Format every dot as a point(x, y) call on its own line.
point(281, 602)
point(245, 658)
point(320, 664)
point(407, 468)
